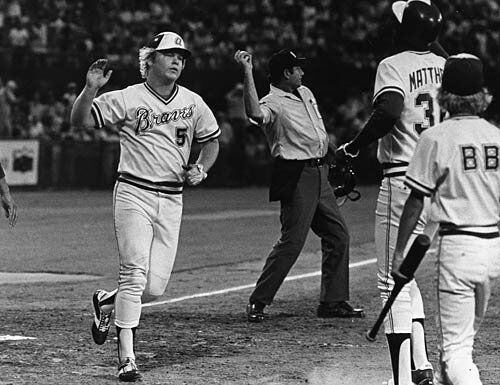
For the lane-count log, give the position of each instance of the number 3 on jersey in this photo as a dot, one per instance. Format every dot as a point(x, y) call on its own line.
point(426, 101)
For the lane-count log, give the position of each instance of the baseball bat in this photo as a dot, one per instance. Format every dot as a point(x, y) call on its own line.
point(402, 276)
point(438, 49)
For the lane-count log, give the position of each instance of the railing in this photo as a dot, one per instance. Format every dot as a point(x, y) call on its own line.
point(71, 164)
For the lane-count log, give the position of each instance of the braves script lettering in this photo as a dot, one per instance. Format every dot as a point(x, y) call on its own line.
point(147, 119)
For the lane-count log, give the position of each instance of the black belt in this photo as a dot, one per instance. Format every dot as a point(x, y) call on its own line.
point(489, 232)
point(161, 187)
point(314, 162)
point(393, 169)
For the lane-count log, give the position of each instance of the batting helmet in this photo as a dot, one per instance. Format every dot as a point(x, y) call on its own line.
point(419, 20)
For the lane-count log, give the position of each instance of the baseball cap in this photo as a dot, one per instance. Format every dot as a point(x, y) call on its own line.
point(463, 75)
point(166, 41)
point(284, 59)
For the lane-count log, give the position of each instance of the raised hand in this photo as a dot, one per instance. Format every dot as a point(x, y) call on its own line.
point(244, 59)
point(97, 75)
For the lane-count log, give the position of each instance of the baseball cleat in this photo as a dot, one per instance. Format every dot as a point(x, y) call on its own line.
point(339, 310)
point(255, 312)
point(422, 377)
point(102, 318)
point(128, 372)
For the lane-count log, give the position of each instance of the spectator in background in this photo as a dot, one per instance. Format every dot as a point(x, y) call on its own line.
point(14, 9)
point(8, 204)
point(39, 41)
point(7, 99)
point(68, 99)
point(237, 118)
point(18, 39)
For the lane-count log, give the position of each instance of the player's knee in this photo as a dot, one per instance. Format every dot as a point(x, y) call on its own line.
point(132, 279)
point(156, 285)
point(343, 238)
point(148, 297)
point(287, 249)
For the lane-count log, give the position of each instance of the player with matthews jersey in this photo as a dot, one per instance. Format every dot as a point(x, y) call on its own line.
point(456, 163)
point(157, 121)
point(404, 105)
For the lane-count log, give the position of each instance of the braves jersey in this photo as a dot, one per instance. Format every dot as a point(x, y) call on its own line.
point(457, 163)
point(416, 76)
point(155, 133)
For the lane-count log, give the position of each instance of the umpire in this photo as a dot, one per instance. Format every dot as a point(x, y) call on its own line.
point(299, 144)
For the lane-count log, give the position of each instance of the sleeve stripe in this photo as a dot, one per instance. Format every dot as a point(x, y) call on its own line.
point(415, 185)
point(96, 112)
point(94, 115)
point(206, 138)
point(399, 90)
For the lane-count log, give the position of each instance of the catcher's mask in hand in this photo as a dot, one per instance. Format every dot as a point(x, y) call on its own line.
point(343, 181)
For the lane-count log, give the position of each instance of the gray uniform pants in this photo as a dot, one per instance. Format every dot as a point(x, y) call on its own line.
point(312, 205)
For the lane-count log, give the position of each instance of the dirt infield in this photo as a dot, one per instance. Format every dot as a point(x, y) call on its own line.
point(225, 238)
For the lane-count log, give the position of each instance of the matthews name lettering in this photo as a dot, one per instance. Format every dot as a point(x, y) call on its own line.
point(424, 76)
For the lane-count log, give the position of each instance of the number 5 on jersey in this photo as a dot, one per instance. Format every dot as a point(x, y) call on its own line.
point(180, 135)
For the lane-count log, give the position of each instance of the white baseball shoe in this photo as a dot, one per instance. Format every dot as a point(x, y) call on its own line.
point(103, 304)
point(127, 371)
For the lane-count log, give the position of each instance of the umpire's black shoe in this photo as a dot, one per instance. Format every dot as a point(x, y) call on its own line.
point(255, 312)
point(339, 310)
point(422, 377)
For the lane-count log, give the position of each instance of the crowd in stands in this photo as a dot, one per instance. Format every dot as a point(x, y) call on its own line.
point(46, 47)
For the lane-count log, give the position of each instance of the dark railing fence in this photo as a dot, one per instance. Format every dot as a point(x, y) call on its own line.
point(93, 165)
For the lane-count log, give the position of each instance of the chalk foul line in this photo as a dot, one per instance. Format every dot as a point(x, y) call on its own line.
point(4, 338)
point(15, 338)
point(244, 287)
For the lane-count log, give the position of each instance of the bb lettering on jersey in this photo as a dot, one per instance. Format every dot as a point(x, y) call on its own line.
point(147, 118)
point(423, 76)
point(472, 156)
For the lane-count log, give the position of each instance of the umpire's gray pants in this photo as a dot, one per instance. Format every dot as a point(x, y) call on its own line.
point(313, 205)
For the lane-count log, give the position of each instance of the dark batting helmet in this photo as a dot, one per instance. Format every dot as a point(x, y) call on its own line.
point(419, 20)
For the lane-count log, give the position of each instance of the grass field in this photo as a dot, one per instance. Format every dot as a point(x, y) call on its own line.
point(198, 333)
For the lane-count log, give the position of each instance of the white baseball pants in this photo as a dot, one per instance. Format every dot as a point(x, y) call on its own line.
point(147, 225)
point(408, 305)
point(467, 265)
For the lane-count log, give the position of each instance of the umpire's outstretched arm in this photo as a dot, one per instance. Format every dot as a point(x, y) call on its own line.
point(250, 96)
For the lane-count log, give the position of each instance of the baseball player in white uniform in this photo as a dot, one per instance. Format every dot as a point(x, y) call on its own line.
point(404, 105)
point(157, 121)
point(456, 163)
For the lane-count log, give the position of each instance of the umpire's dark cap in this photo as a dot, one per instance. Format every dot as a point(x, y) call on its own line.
point(284, 59)
point(463, 75)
